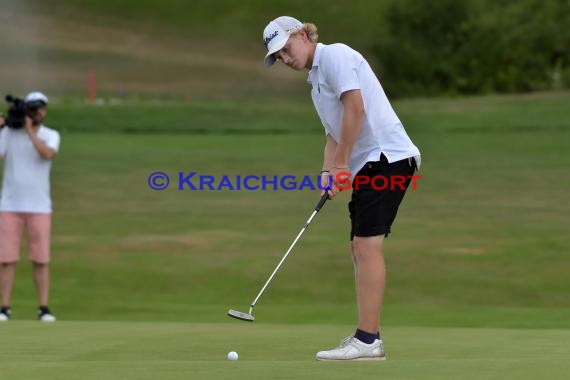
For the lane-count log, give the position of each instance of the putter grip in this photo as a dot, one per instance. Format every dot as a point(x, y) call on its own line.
point(322, 201)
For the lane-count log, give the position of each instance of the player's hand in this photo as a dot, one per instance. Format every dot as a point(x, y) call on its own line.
point(326, 184)
point(340, 179)
point(336, 180)
point(2, 121)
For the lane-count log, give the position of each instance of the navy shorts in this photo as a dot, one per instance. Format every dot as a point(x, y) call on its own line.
point(377, 191)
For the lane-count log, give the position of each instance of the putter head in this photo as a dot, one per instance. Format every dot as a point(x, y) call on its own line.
point(242, 316)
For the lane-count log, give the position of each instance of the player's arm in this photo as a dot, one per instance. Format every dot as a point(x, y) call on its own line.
point(330, 149)
point(352, 118)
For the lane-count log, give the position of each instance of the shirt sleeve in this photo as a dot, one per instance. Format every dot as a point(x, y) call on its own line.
point(340, 69)
point(52, 141)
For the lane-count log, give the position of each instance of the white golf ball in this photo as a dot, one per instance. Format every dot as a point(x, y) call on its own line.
point(232, 355)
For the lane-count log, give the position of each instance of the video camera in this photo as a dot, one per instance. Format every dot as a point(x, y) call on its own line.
point(19, 109)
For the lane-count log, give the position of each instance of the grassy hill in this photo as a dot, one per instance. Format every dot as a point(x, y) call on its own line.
point(165, 49)
point(204, 50)
point(227, 20)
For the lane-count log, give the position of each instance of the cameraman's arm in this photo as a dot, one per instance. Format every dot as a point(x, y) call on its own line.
point(2, 138)
point(45, 151)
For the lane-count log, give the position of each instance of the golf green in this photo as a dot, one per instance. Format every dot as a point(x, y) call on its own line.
point(123, 350)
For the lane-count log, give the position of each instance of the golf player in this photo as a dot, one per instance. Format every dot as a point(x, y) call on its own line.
point(25, 202)
point(365, 138)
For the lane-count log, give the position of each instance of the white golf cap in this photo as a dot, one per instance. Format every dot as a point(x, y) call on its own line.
point(36, 97)
point(276, 34)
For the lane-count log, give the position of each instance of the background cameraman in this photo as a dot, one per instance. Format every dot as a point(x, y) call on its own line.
point(25, 201)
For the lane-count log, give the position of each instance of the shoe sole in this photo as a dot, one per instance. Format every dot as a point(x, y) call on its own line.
point(363, 359)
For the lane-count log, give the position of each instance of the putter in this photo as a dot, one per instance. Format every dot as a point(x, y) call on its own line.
point(248, 316)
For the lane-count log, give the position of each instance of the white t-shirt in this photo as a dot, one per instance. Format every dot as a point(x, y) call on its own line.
point(26, 186)
point(336, 69)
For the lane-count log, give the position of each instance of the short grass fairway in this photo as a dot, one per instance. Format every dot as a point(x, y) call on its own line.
point(138, 351)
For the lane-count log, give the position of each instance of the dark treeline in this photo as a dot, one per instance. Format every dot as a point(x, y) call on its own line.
point(475, 46)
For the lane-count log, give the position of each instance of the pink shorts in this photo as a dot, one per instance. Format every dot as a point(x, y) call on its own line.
point(12, 225)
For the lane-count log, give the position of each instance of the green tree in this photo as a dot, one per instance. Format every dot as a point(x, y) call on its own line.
point(475, 46)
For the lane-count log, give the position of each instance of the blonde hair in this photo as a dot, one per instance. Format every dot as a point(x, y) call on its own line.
point(311, 30)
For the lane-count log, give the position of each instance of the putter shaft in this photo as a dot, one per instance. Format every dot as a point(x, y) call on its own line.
point(316, 210)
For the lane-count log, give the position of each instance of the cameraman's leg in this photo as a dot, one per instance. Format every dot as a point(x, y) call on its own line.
point(11, 230)
point(41, 279)
point(39, 231)
point(8, 274)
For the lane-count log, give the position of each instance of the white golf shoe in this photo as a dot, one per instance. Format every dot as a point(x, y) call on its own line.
point(351, 348)
point(46, 316)
point(5, 314)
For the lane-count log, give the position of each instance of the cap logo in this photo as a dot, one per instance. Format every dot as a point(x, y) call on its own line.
point(270, 37)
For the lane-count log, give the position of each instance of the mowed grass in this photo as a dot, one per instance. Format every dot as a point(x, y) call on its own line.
point(477, 263)
point(120, 350)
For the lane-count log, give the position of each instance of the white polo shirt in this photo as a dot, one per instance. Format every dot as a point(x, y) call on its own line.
point(338, 68)
point(25, 186)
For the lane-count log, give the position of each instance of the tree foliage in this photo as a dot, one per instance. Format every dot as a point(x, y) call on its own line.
point(475, 46)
